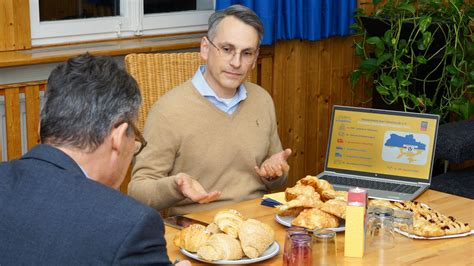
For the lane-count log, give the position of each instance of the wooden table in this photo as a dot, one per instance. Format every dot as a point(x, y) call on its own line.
point(456, 251)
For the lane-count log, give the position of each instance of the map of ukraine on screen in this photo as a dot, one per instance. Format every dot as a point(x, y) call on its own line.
point(381, 143)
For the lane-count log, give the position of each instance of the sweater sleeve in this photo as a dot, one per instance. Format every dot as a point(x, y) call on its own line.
point(275, 147)
point(151, 183)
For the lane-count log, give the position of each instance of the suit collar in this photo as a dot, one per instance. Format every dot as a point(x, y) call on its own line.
point(50, 154)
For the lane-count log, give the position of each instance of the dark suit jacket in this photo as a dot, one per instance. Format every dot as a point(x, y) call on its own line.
point(51, 213)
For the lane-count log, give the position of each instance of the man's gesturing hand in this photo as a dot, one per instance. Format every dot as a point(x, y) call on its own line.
point(274, 166)
point(193, 190)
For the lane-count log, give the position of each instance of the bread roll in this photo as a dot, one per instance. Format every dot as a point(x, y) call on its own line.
point(220, 247)
point(229, 221)
point(191, 237)
point(255, 237)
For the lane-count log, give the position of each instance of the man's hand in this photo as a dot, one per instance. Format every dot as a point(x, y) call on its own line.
point(274, 166)
point(193, 190)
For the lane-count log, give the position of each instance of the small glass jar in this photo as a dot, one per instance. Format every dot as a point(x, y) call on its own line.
point(324, 247)
point(380, 233)
point(300, 254)
point(294, 230)
point(402, 221)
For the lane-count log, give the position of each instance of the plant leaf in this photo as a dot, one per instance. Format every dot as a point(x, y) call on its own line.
point(407, 7)
point(376, 2)
point(424, 23)
point(421, 59)
point(376, 41)
point(387, 80)
point(382, 90)
point(426, 39)
point(457, 81)
point(405, 83)
point(355, 75)
point(369, 64)
point(451, 69)
point(383, 58)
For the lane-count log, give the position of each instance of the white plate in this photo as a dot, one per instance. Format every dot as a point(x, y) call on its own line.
point(433, 237)
point(271, 251)
point(286, 221)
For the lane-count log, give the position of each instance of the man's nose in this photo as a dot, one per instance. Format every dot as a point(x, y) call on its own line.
point(236, 61)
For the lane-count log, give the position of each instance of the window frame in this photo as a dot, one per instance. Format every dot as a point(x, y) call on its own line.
point(131, 22)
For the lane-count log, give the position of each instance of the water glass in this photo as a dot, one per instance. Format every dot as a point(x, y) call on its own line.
point(402, 221)
point(300, 254)
point(324, 247)
point(380, 233)
point(287, 247)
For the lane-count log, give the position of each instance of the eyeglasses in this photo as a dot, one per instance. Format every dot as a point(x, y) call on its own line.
point(227, 52)
point(140, 141)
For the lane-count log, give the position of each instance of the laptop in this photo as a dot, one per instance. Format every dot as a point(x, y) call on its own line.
point(389, 153)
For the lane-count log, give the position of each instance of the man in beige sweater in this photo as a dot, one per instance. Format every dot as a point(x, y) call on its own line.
point(213, 139)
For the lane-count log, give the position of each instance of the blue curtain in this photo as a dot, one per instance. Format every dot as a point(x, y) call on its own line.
point(300, 19)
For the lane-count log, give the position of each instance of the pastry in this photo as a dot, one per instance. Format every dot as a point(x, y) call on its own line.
point(299, 189)
point(229, 221)
point(255, 237)
point(212, 228)
point(314, 218)
point(294, 207)
point(335, 207)
point(220, 247)
point(191, 237)
point(380, 202)
point(309, 181)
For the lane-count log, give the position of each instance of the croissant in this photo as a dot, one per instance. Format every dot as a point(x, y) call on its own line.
point(294, 207)
point(255, 237)
point(315, 218)
point(191, 237)
point(335, 207)
point(220, 247)
point(229, 221)
point(299, 189)
point(309, 181)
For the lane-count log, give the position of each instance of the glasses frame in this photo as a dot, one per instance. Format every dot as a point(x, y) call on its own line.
point(255, 55)
point(139, 138)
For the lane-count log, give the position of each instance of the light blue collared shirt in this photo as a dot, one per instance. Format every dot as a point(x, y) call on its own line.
point(205, 90)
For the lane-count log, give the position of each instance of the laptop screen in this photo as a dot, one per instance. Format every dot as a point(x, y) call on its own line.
point(382, 143)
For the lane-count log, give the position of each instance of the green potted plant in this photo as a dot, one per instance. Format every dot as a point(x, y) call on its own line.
point(418, 55)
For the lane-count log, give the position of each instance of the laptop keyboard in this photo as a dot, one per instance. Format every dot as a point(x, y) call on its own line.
point(351, 182)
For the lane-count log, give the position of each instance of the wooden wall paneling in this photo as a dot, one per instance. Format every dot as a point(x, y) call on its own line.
point(12, 117)
point(312, 118)
point(347, 67)
point(32, 100)
point(324, 109)
point(293, 86)
point(14, 25)
point(265, 77)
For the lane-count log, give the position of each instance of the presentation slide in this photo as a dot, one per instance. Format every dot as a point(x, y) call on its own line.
point(382, 143)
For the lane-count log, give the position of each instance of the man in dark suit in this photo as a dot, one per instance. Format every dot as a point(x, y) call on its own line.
point(58, 203)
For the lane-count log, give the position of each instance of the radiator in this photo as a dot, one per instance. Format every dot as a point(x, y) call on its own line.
point(3, 128)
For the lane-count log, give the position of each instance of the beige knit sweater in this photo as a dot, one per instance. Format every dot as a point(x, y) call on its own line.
point(188, 134)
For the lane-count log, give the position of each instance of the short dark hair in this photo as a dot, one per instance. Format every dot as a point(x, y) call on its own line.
point(85, 98)
point(242, 13)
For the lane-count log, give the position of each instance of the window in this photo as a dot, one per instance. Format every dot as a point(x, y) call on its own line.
point(62, 21)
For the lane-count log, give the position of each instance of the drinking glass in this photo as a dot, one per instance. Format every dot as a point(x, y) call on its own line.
point(324, 247)
point(402, 221)
point(300, 254)
point(287, 247)
point(380, 233)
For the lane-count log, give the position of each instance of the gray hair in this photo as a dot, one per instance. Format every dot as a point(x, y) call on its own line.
point(242, 13)
point(85, 98)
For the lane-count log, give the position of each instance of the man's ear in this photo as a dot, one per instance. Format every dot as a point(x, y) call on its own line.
point(118, 136)
point(204, 48)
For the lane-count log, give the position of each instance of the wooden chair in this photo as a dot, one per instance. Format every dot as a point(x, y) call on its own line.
point(158, 73)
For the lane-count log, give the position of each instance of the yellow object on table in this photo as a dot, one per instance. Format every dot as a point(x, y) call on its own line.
point(278, 196)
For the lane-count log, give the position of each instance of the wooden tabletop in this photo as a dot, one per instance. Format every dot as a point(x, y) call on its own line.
point(455, 251)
